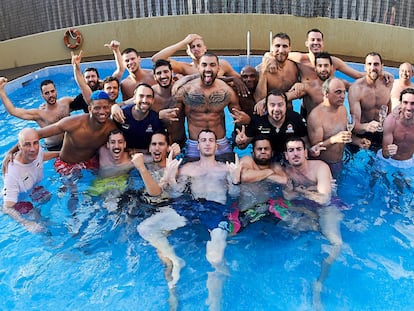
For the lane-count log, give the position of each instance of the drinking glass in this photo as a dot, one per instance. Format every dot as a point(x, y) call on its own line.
point(381, 116)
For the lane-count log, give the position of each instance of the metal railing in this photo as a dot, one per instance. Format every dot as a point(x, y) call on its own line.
point(21, 17)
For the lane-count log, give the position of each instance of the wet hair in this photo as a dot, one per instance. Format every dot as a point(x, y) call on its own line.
point(46, 82)
point(324, 55)
point(276, 92)
point(206, 131)
point(161, 62)
point(281, 35)
point(374, 54)
point(129, 50)
point(163, 133)
point(406, 91)
point(144, 85)
point(314, 30)
point(210, 54)
point(110, 79)
point(259, 138)
point(92, 69)
point(295, 138)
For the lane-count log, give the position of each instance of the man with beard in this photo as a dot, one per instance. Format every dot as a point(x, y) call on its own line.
point(306, 61)
point(310, 186)
point(311, 91)
point(137, 74)
point(405, 73)
point(278, 125)
point(277, 72)
point(140, 121)
point(53, 111)
point(398, 140)
point(366, 96)
point(164, 103)
point(327, 125)
point(204, 100)
point(195, 49)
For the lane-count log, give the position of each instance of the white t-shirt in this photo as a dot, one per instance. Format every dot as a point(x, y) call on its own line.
point(21, 177)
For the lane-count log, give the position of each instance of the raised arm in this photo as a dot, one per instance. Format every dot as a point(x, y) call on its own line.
point(340, 65)
point(151, 186)
point(25, 114)
point(169, 51)
point(80, 81)
point(120, 67)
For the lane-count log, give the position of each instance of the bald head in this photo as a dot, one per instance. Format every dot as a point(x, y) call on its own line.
point(249, 76)
point(27, 134)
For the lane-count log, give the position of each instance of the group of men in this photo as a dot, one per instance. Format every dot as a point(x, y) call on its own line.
point(151, 118)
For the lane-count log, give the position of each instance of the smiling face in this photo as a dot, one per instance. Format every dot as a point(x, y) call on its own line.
point(100, 110)
point(276, 108)
point(116, 145)
point(208, 69)
point(323, 68)
point(112, 89)
point(405, 72)
point(131, 61)
point(163, 76)
point(91, 79)
point(314, 42)
point(143, 98)
point(280, 49)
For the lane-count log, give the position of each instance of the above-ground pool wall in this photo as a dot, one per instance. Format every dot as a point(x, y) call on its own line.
point(226, 33)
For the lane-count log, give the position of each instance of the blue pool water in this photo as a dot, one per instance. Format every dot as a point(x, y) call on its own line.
point(97, 260)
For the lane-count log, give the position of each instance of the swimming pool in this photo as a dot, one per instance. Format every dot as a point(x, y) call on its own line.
point(97, 260)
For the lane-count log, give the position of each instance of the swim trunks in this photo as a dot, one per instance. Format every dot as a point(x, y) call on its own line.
point(23, 207)
point(65, 168)
point(101, 185)
point(336, 168)
point(276, 209)
point(208, 213)
point(409, 163)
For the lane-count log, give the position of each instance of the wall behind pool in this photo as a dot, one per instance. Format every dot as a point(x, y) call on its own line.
point(225, 33)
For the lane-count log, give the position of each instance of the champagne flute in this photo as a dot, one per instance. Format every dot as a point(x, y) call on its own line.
point(350, 124)
point(382, 115)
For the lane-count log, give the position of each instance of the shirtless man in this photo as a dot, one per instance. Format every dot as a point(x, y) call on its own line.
point(211, 200)
point(84, 135)
point(311, 186)
point(195, 49)
point(285, 73)
point(306, 61)
point(164, 101)
point(327, 125)
point(398, 140)
point(137, 74)
point(204, 100)
point(405, 73)
point(54, 110)
point(21, 179)
point(250, 78)
point(366, 96)
point(311, 91)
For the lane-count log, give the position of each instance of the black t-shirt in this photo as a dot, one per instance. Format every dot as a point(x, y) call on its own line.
point(294, 125)
point(79, 103)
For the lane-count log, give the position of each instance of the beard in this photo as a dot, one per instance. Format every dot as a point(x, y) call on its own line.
point(261, 161)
